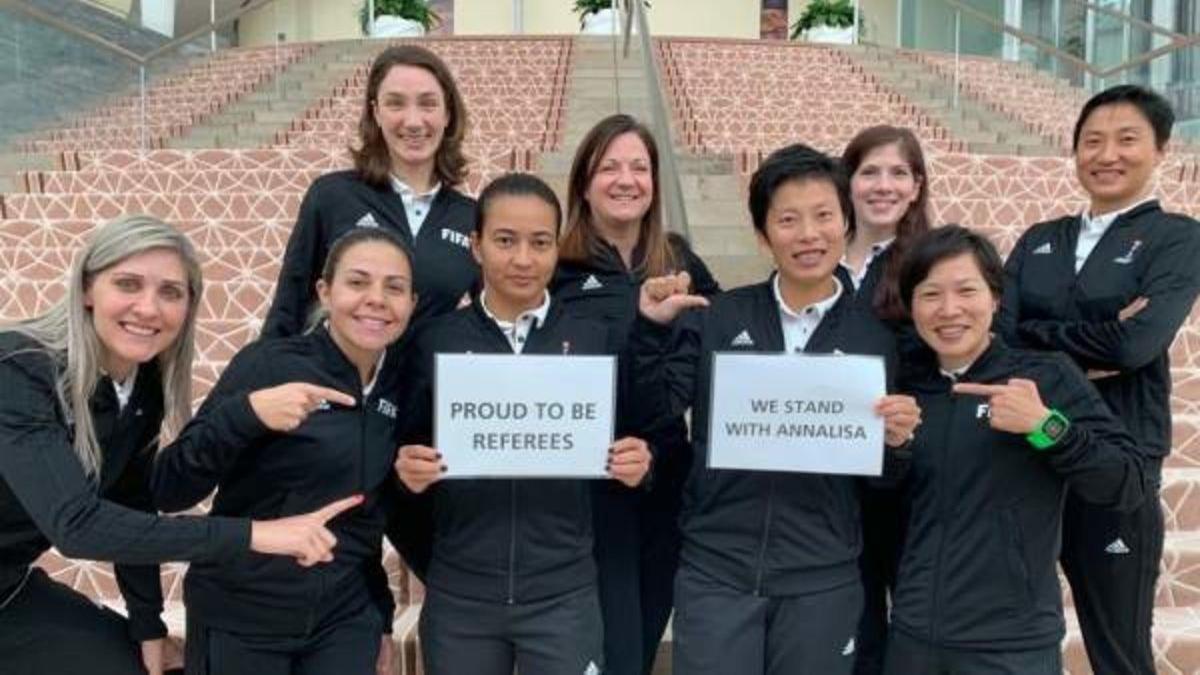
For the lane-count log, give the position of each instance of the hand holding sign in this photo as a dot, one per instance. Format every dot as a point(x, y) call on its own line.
point(418, 467)
point(901, 416)
point(629, 461)
point(303, 537)
point(1015, 407)
point(663, 298)
point(285, 407)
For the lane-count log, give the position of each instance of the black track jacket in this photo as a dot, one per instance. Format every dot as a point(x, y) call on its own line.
point(262, 474)
point(507, 540)
point(1144, 253)
point(978, 567)
point(604, 289)
point(766, 533)
point(337, 203)
point(46, 499)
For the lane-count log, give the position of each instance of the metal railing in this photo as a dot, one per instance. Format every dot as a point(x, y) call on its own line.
point(1177, 42)
point(142, 62)
point(670, 185)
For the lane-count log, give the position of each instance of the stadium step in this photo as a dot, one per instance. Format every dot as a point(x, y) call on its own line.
point(982, 130)
point(256, 118)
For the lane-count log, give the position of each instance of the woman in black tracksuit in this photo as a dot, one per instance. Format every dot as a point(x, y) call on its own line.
point(90, 387)
point(512, 580)
point(1110, 288)
point(405, 179)
point(889, 186)
point(769, 581)
point(1005, 433)
point(290, 424)
point(614, 240)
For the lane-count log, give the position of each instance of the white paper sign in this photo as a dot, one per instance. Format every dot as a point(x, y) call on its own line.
point(512, 415)
point(793, 412)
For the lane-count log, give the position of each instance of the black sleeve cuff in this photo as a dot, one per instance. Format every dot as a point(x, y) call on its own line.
point(145, 626)
point(230, 537)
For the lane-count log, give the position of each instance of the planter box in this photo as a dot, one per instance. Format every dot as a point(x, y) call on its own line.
point(604, 22)
point(838, 36)
point(393, 26)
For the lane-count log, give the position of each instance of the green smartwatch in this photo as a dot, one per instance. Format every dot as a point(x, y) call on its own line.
point(1049, 431)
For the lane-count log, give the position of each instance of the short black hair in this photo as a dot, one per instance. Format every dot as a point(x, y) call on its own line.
point(516, 184)
point(1156, 109)
point(796, 162)
point(943, 243)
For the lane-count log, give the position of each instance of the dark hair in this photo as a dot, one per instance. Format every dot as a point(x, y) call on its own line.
point(516, 185)
point(357, 236)
point(372, 159)
point(946, 242)
point(797, 162)
point(581, 241)
point(915, 221)
point(1156, 109)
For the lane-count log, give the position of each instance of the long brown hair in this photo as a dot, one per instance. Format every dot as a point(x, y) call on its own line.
point(372, 159)
point(581, 242)
point(887, 301)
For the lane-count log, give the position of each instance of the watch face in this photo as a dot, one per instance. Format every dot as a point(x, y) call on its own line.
point(1055, 427)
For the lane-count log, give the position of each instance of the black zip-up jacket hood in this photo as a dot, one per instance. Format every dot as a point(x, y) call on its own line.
point(507, 540)
point(337, 452)
point(1146, 253)
point(767, 533)
point(338, 202)
point(47, 499)
point(978, 566)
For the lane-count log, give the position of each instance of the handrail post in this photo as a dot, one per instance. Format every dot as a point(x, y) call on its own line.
point(145, 135)
point(857, 16)
point(672, 192)
point(957, 55)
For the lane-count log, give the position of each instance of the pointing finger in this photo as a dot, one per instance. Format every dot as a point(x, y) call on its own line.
point(319, 393)
point(333, 509)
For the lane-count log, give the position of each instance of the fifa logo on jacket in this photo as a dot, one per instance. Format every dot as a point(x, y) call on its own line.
point(1128, 257)
point(983, 412)
point(456, 238)
point(387, 408)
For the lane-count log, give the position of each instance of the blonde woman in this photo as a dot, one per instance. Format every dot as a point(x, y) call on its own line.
point(90, 388)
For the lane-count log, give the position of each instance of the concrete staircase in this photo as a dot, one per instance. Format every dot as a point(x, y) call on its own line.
point(13, 162)
point(982, 130)
point(603, 82)
point(255, 119)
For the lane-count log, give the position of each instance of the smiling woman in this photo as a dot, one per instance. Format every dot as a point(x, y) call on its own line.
point(614, 239)
point(407, 166)
point(91, 387)
point(291, 424)
point(1009, 433)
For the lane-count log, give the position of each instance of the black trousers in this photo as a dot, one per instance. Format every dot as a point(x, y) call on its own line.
point(907, 655)
point(617, 528)
point(660, 544)
point(1111, 560)
point(549, 637)
point(344, 642)
point(49, 628)
point(720, 630)
point(884, 520)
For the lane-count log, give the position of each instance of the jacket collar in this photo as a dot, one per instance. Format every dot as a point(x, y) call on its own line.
point(769, 324)
point(927, 376)
point(338, 364)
